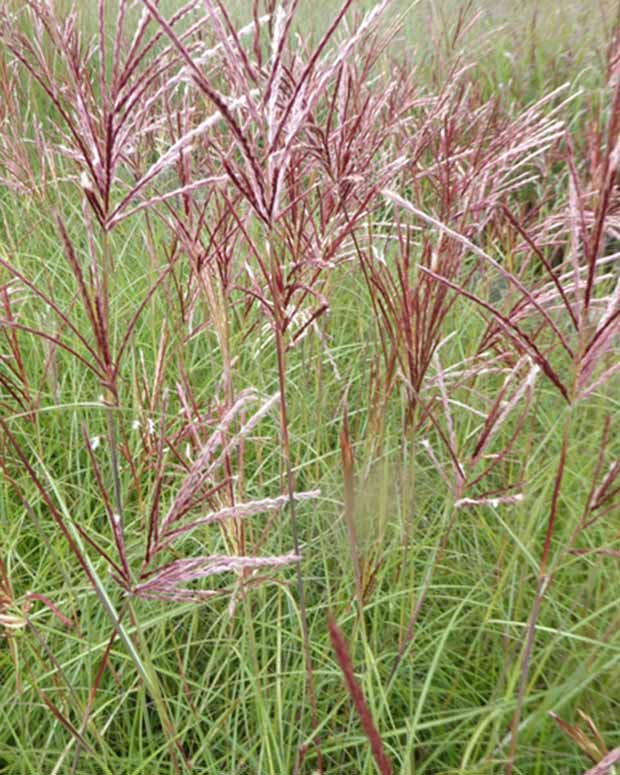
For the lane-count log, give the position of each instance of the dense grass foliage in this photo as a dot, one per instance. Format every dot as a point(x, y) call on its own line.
point(309, 387)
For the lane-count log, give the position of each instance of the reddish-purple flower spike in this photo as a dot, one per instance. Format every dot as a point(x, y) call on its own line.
point(261, 141)
point(170, 580)
point(21, 171)
point(574, 308)
point(357, 696)
point(606, 765)
point(238, 511)
point(105, 111)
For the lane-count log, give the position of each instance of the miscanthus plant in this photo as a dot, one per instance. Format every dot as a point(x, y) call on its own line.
point(259, 264)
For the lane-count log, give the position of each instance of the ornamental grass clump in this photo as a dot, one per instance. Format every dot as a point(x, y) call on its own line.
point(299, 320)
